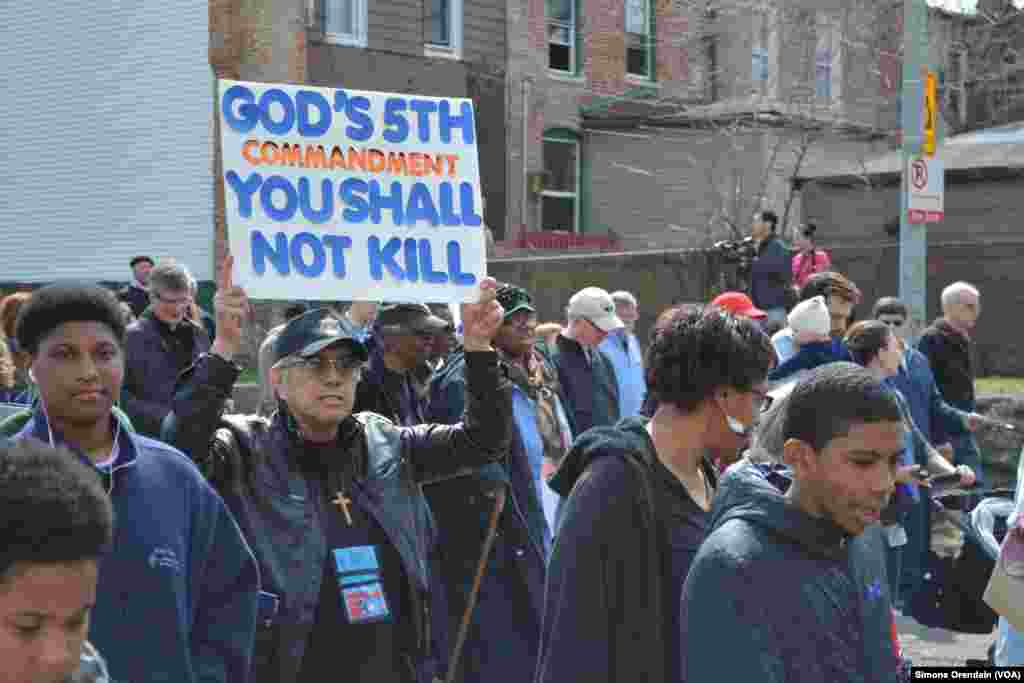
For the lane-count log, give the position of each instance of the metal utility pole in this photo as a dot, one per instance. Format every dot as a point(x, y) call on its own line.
point(913, 236)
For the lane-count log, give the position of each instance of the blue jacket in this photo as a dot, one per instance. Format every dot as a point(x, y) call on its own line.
point(623, 350)
point(590, 392)
point(936, 419)
point(810, 356)
point(176, 599)
point(503, 641)
point(153, 362)
point(770, 274)
point(777, 596)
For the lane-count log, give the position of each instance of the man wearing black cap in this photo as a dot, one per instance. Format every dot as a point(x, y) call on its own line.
point(136, 293)
point(330, 501)
point(404, 338)
point(504, 638)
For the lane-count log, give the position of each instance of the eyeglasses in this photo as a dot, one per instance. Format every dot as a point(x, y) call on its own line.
point(345, 365)
point(892, 322)
point(172, 302)
point(525, 321)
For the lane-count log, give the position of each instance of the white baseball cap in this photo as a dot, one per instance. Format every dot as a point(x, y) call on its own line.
point(596, 305)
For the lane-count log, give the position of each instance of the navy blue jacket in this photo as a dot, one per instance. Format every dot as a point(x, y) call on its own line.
point(809, 357)
point(936, 419)
point(280, 498)
point(770, 274)
point(777, 596)
point(152, 365)
point(505, 633)
point(608, 614)
point(590, 392)
point(176, 599)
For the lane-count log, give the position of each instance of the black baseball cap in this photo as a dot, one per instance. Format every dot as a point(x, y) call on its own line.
point(410, 319)
point(140, 259)
point(313, 331)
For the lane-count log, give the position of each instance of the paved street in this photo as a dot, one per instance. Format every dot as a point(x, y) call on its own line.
point(936, 647)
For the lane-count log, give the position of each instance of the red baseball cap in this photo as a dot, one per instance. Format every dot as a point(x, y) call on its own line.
point(738, 303)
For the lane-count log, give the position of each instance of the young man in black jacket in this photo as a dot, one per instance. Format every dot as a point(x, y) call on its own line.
point(638, 501)
point(790, 584)
point(330, 501)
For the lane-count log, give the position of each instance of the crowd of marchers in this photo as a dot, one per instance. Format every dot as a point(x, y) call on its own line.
point(424, 496)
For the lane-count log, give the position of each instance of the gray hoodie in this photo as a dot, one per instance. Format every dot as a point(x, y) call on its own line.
point(775, 595)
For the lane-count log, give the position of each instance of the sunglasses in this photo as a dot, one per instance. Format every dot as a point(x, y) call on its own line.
point(892, 322)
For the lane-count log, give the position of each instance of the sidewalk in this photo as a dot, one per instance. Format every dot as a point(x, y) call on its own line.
point(937, 647)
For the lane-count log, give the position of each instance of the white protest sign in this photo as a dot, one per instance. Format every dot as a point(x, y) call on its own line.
point(350, 195)
point(926, 183)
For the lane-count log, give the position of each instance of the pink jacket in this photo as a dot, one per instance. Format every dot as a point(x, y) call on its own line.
point(804, 266)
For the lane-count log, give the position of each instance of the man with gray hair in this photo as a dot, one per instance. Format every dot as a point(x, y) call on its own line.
point(159, 346)
point(947, 346)
point(623, 350)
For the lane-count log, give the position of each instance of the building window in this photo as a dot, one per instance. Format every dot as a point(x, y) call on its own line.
point(639, 41)
point(562, 35)
point(443, 28)
point(760, 65)
point(344, 22)
point(826, 62)
point(823, 72)
point(560, 198)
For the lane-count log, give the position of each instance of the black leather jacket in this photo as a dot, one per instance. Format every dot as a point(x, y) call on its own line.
point(281, 505)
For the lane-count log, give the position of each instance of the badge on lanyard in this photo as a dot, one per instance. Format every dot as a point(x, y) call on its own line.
point(361, 584)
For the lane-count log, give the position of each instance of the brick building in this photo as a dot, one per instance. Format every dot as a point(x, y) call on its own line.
point(653, 123)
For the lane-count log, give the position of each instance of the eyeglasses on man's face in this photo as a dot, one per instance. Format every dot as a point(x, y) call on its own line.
point(177, 301)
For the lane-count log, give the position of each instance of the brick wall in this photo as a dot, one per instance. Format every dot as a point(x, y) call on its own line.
point(260, 40)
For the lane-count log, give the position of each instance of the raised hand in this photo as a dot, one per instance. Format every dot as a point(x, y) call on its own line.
point(231, 308)
point(480, 321)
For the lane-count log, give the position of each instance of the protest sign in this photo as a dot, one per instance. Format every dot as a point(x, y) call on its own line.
point(334, 194)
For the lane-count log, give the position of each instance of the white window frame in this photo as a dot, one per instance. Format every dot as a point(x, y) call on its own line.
point(557, 194)
point(356, 39)
point(573, 40)
point(454, 49)
point(648, 36)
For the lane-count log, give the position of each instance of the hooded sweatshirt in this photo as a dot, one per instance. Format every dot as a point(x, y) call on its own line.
point(628, 534)
point(777, 595)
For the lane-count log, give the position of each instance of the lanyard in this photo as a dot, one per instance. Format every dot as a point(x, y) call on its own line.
point(114, 450)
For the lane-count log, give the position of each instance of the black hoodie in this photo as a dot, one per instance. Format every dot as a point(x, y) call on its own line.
point(628, 534)
point(776, 595)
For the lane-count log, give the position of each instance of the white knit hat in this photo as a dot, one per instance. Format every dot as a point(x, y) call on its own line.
point(811, 317)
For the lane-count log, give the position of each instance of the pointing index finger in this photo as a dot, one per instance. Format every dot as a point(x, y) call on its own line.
point(224, 281)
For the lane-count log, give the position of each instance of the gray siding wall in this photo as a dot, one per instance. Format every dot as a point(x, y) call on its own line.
point(108, 136)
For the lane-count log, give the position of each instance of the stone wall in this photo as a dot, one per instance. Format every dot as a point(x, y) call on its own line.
point(1001, 447)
